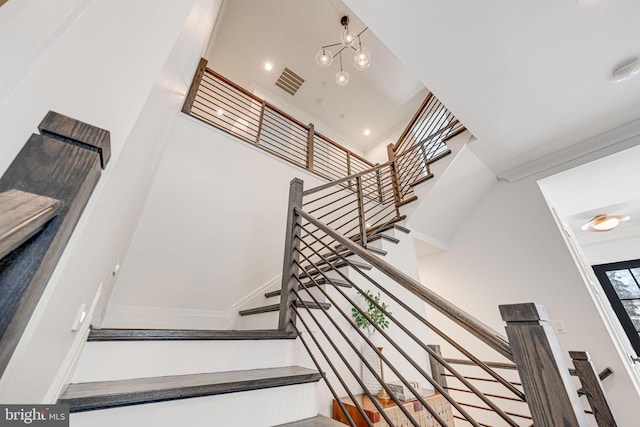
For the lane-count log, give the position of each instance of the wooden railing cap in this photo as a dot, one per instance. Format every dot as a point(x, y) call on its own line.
point(67, 129)
point(296, 181)
point(526, 312)
point(579, 355)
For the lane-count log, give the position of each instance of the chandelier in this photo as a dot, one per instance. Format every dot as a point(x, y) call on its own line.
point(361, 57)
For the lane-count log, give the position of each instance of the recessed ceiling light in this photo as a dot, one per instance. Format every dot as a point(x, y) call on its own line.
point(627, 71)
point(367, 132)
point(604, 222)
point(268, 66)
point(220, 112)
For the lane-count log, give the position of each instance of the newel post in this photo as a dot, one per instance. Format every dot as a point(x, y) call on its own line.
point(593, 389)
point(362, 222)
point(291, 257)
point(195, 85)
point(395, 180)
point(310, 146)
point(544, 374)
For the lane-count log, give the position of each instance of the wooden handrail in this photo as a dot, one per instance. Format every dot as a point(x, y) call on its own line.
point(345, 179)
point(335, 144)
point(413, 120)
point(483, 332)
point(431, 138)
point(22, 215)
point(204, 99)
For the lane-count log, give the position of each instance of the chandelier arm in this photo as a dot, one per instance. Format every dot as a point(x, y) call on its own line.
point(331, 45)
point(365, 29)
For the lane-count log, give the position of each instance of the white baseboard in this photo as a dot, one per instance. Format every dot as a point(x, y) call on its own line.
point(257, 296)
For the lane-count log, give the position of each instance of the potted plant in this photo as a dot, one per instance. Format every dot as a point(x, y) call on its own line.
point(378, 317)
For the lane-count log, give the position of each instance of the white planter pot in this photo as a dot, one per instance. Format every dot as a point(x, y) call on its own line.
point(371, 356)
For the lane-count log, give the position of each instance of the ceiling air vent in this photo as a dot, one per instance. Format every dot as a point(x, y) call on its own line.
point(289, 82)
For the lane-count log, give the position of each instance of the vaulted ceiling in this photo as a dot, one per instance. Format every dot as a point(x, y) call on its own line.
point(528, 78)
point(288, 33)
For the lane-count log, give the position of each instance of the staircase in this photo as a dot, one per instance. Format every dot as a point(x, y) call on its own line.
point(132, 377)
point(265, 315)
point(344, 239)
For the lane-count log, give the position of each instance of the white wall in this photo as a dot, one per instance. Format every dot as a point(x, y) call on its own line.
point(212, 231)
point(509, 250)
point(124, 66)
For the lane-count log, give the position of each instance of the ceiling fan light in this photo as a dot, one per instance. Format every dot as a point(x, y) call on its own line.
point(342, 78)
point(362, 59)
point(324, 58)
point(627, 71)
point(604, 222)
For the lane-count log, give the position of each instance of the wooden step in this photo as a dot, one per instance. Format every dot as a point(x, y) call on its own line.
point(376, 250)
point(275, 307)
point(186, 335)
point(421, 180)
point(339, 264)
point(112, 394)
point(383, 237)
point(317, 421)
point(407, 201)
point(384, 227)
point(393, 226)
point(320, 281)
point(373, 249)
point(444, 153)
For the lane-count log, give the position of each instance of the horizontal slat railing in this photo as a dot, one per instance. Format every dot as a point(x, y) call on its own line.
point(357, 205)
point(332, 347)
point(500, 389)
point(421, 143)
point(477, 328)
point(319, 246)
point(221, 103)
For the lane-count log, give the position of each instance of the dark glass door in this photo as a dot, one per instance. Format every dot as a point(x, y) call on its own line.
point(621, 283)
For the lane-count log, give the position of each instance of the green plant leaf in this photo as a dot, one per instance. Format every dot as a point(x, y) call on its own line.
point(374, 313)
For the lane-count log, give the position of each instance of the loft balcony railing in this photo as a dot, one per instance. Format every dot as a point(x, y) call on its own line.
point(423, 142)
point(223, 104)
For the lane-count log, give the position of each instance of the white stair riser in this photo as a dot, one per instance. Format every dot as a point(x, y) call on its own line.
point(103, 361)
point(261, 320)
point(259, 408)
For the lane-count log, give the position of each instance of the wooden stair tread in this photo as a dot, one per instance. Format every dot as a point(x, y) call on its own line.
point(369, 248)
point(393, 226)
point(314, 272)
point(383, 237)
point(110, 334)
point(383, 227)
point(444, 153)
point(336, 265)
point(320, 281)
point(407, 201)
point(317, 421)
point(421, 180)
point(275, 307)
point(376, 250)
point(112, 394)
